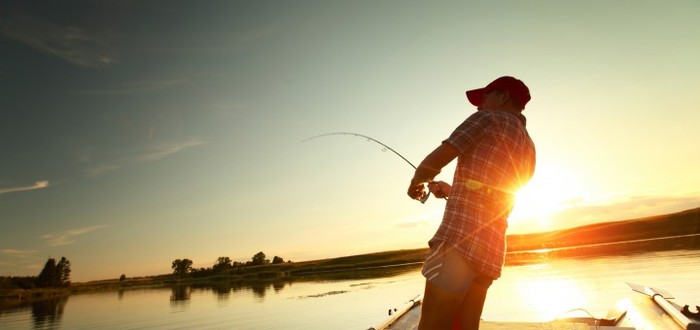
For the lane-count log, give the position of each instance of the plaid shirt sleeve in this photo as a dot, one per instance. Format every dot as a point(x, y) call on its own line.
point(468, 134)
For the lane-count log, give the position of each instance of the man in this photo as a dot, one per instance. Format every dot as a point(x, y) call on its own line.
point(495, 157)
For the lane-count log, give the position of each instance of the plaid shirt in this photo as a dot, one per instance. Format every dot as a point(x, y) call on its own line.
point(497, 157)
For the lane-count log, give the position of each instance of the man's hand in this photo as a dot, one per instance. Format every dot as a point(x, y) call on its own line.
point(429, 168)
point(440, 189)
point(416, 190)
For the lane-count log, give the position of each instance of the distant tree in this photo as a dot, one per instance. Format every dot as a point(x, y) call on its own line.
point(277, 260)
point(259, 259)
point(122, 278)
point(222, 263)
point(181, 266)
point(202, 272)
point(62, 272)
point(47, 275)
point(53, 274)
point(17, 282)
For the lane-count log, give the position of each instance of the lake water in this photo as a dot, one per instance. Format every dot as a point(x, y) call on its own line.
point(531, 292)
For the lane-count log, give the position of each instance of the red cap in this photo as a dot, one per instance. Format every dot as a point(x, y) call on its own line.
point(517, 89)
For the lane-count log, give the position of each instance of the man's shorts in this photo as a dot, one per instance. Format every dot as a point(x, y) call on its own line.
point(447, 269)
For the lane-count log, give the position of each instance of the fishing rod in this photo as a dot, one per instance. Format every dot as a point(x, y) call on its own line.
point(386, 147)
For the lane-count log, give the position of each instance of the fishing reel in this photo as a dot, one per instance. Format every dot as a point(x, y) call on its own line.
point(424, 197)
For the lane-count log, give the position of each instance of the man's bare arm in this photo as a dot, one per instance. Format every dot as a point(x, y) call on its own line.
point(430, 167)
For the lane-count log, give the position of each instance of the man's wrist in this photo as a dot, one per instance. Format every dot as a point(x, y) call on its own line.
point(423, 175)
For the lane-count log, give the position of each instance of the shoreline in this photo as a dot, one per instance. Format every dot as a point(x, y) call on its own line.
point(366, 265)
point(675, 231)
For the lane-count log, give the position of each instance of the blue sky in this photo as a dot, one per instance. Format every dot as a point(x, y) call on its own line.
point(138, 132)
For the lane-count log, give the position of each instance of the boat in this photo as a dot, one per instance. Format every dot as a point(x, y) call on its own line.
point(648, 308)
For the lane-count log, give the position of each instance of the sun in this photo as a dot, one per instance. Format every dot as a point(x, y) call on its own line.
point(550, 191)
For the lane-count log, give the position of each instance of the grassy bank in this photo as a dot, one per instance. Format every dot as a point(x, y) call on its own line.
point(264, 274)
point(668, 225)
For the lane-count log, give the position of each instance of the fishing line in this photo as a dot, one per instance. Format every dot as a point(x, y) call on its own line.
point(370, 139)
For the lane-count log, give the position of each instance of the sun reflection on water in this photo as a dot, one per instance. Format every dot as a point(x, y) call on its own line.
point(552, 297)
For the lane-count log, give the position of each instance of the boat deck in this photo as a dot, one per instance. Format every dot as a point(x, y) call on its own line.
point(409, 320)
point(637, 312)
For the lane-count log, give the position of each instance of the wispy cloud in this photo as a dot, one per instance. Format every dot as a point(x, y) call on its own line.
point(18, 258)
point(229, 42)
point(143, 155)
point(15, 253)
point(71, 44)
point(164, 150)
point(93, 171)
point(134, 88)
point(36, 185)
point(69, 236)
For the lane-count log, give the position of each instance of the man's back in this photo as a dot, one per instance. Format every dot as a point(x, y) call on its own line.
point(497, 157)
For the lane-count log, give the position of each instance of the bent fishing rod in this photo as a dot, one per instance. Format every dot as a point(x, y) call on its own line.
point(386, 147)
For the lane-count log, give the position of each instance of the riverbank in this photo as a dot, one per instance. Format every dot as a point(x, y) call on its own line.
point(672, 231)
point(250, 274)
point(666, 225)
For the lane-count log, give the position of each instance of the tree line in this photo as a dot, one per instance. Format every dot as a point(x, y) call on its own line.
point(54, 274)
point(184, 266)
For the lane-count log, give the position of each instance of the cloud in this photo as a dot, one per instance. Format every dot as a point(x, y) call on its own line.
point(134, 88)
point(148, 154)
point(163, 150)
point(14, 253)
point(71, 44)
point(17, 258)
point(67, 237)
point(99, 169)
point(36, 185)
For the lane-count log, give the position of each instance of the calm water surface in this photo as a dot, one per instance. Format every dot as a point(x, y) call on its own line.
point(534, 292)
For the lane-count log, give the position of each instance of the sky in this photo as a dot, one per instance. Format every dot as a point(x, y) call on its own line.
point(134, 133)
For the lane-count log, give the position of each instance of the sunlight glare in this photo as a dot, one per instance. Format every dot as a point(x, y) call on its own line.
point(551, 190)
